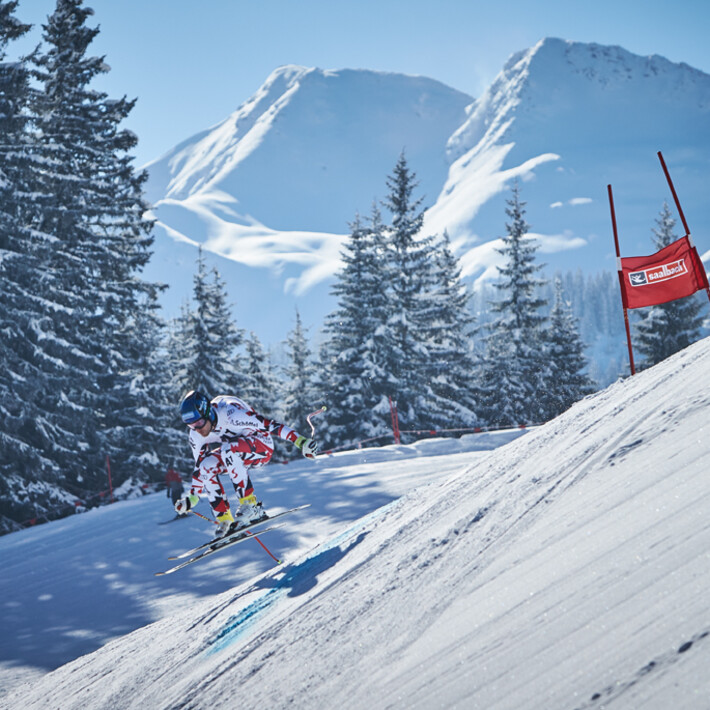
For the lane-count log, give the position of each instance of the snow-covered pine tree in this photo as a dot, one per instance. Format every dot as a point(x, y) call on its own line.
point(568, 382)
point(448, 331)
point(89, 200)
point(669, 327)
point(408, 260)
point(261, 388)
point(353, 355)
point(596, 308)
point(205, 340)
point(301, 395)
point(513, 388)
point(501, 383)
point(147, 442)
point(181, 347)
point(22, 458)
point(402, 328)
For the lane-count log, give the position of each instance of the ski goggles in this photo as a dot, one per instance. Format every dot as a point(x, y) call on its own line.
point(195, 423)
point(198, 424)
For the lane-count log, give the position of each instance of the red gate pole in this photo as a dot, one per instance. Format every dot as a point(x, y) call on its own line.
point(395, 421)
point(673, 192)
point(621, 281)
point(677, 204)
point(108, 468)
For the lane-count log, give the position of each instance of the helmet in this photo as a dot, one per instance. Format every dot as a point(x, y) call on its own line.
point(196, 409)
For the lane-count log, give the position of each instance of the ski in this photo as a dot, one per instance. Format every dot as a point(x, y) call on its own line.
point(251, 526)
point(216, 546)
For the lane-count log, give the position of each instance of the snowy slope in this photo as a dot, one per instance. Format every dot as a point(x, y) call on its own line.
point(567, 569)
point(70, 586)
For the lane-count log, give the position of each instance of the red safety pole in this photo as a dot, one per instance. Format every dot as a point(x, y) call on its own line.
point(677, 204)
point(673, 192)
point(108, 468)
point(621, 281)
point(395, 420)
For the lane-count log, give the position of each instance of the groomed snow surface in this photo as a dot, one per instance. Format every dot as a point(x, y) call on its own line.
point(568, 568)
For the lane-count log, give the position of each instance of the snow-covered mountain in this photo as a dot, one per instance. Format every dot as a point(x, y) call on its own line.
point(566, 569)
point(270, 191)
point(567, 119)
point(273, 187)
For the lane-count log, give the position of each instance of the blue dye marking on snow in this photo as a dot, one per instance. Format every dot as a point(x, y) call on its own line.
point(296, 577)
point(242, 622)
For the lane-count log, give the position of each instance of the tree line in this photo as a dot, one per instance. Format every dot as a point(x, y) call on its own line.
point(403, 334)
point(408, 331)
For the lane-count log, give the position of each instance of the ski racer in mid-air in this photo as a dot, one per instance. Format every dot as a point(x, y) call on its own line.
point(228, 436)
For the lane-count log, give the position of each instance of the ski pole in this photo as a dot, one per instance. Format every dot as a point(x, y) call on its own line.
point(313, 414)
point(204, 517)
point(266, 549)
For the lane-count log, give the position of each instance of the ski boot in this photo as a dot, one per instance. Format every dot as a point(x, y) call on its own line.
point(250, 511)
point(224, 523)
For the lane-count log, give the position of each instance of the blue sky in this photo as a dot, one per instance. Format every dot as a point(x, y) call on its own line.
point(190, 64)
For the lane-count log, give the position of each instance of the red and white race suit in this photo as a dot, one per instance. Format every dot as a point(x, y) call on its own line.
point(240, 440)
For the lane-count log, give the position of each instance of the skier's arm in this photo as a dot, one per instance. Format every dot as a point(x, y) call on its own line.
point(277, 428)
point(308, 447)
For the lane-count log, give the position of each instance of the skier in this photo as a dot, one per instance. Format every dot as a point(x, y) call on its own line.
point(244, 442)
point(174, 484)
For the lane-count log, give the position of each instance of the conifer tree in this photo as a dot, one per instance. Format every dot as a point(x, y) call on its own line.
point(15, 240)
point(207, 340)
point(301, 395)
point(568, 382)
point(668, 327)
point(77, 242)
point(260, 389)
point(23, 461)
point(513, 387)
point(402, 328)
point(180, 358)
point(448, 333)
point(502, 386)
point(410, 279)
point(147, 442)
point(89, 200)
point(353, 357)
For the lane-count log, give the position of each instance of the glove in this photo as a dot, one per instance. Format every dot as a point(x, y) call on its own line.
point(186, 503)
point(308, 447)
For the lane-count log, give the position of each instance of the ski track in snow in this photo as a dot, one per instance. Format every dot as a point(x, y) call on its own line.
point(567, 569)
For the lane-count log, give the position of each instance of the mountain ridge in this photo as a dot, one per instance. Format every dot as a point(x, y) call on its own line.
point(306, 119)
point(565, 118)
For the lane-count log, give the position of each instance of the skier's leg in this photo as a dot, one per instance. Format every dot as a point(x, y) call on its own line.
point(239, 456)
point(208, 476)
point(234, 466)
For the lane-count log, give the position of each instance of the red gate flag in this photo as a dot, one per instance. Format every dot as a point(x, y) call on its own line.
point(673, 272)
